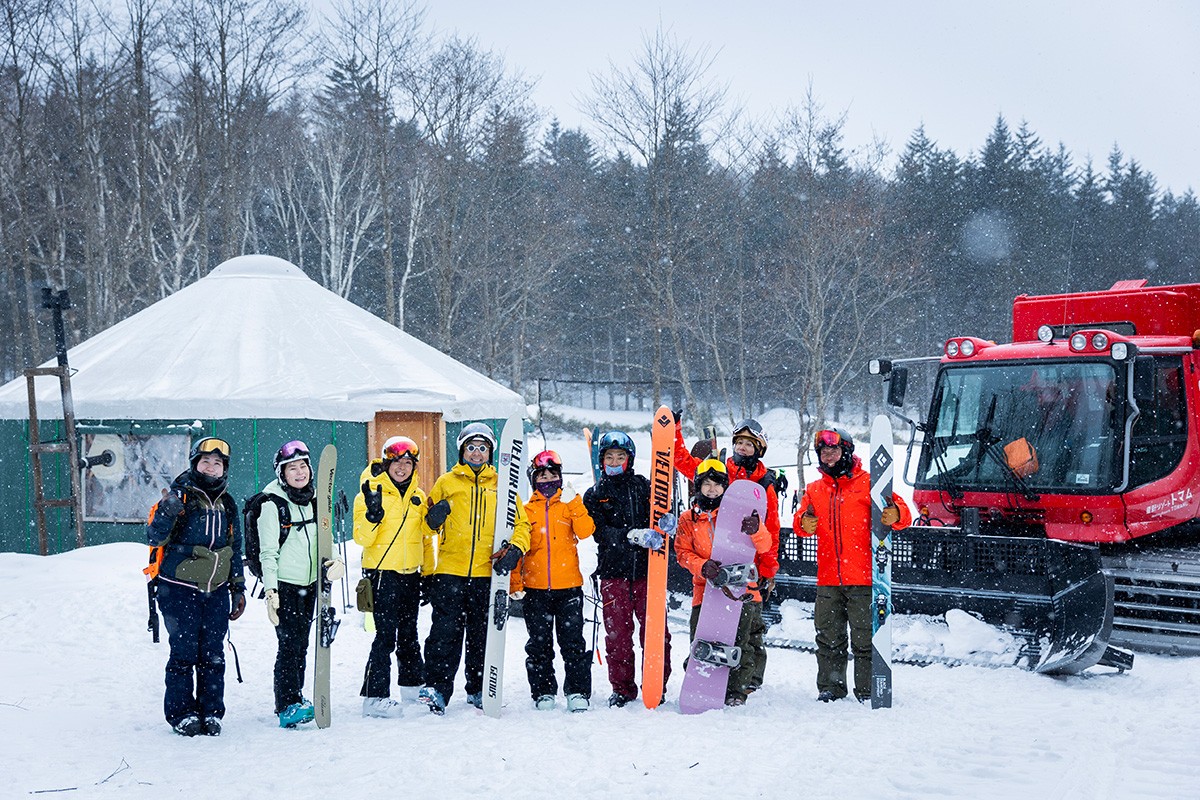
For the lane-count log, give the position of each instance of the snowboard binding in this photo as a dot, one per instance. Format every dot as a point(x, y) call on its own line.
point(717, 654)
point(735, 575)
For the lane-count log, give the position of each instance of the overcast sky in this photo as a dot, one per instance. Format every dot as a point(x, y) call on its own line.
point(1087, 73)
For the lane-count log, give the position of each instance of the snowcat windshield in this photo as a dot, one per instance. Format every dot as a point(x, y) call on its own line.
point(1032, 427)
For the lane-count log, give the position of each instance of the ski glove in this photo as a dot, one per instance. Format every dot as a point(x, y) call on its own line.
point(710, 569)
point(435, 517)
point(518, 596)
point(645, 537)
point(568, 493)
point(171, 505)
point(890, 515)
point(765, 587)
point(808, 521)
point(273, 606)
point(335, 569)
point(505, 559)
point(751, 523)
point(374, 502)
point(238, 601)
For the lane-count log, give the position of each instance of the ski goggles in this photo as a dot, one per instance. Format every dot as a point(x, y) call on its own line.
point(293, 450)
point(547, 459)
point(212, 445)
point(399, 447)
point(828, 438)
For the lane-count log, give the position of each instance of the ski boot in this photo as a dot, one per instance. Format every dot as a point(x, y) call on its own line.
point(212, 726)
point(433, 698)
point(476, 699)
point(381, 707)
point(545, 703)
point(189, 726)
point(577, 703)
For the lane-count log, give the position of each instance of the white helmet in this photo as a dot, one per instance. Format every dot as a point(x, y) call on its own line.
point(475, 430)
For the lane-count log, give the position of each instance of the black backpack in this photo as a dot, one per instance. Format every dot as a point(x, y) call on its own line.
point(250, 512)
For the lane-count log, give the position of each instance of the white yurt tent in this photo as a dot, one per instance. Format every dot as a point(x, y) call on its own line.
point(257, 353)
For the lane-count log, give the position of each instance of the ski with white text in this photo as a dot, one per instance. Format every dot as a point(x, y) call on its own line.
point(509, 468)
point(881, 569)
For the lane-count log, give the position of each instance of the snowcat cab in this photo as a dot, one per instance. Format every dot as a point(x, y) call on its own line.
point(1044, 464)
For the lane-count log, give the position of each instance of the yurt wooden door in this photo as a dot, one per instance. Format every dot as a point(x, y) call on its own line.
point(423, 428)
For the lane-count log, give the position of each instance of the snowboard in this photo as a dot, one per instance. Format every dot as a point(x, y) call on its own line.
point(881, 568)
point(593, 446)
point(705, 682)
point(508, 468)
point(327, 621)
point(662, 484)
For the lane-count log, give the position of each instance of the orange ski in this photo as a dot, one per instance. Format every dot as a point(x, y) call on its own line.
point(662, 460)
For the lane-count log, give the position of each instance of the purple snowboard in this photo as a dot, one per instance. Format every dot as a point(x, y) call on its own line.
point(704, 684)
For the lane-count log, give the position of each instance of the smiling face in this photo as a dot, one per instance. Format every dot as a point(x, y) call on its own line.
point(711, 489)
point(477, 452)
point(831, 455)
point(211, 464)
point(400, 469)
point(297, 473)
point(743, 446)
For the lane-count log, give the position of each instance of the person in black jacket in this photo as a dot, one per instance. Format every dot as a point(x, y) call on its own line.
point(617, 504)
point(200, 586)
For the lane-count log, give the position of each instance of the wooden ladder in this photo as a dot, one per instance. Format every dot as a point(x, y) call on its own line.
point(38, 448)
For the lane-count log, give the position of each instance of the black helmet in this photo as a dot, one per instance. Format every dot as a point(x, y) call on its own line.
point(834, 437)
point(620, 441)
point(209, 444)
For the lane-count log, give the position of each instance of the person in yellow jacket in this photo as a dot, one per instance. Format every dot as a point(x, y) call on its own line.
point(693, 549)
point(551, 585)
point(389, 523)
point(462, 509)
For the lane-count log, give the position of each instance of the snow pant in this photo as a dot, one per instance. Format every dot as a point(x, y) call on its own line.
point(838, 607)
point(197, 624)
point(756, 644)
point(460, 607)
point(737, 688)
point(624, 601)
point(547, 612)
point(296, 604)
point(397, 601)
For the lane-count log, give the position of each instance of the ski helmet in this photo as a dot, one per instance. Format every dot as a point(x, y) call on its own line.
point(621, 441)
point(547, 459)
point(475, 430)
point(710, 469)
point(294, 450)
point(209, 444)
point(834, 437)
point(400, 447)
point(750, 429)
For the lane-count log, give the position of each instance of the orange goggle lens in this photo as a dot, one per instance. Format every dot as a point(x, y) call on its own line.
point(213, 445)
point(828, 439)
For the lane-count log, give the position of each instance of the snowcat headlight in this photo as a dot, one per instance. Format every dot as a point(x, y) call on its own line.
point(952, 348)
point(1078, 342)
point(1120, 351)
point(1100, 341)
point(968, 347)
point(1045, 334)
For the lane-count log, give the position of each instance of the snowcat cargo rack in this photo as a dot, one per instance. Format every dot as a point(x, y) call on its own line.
point(1052, 595)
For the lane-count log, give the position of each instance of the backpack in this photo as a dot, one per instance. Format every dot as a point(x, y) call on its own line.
point(250, 513)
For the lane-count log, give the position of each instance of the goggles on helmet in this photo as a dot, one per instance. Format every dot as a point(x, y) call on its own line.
point(400, 446)
point(828, 438)
point(211, 444)
point(547, 459)
point(294, 449)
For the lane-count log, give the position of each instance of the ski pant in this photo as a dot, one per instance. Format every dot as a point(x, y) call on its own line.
point(197, 624)
point(758, 648)
point(460, 607)
point(624, 601)
point(547, 612)
point(739, 679)
point(838, 607)
point(397, 601)
point(296, 604)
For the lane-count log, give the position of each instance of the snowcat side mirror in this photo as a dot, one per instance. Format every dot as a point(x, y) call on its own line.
point(897, 381)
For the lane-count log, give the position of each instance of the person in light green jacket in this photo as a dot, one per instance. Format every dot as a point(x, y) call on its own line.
point(287, 531)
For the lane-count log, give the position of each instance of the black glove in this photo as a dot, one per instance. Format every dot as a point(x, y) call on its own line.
point(505, 559)
point(435, 517)
point(765, 587)
point(426, 589)
point(710, 569)
point(373, 498)
point(237, 602)
point(751, 523)
point(677, 413)
point(171, 505)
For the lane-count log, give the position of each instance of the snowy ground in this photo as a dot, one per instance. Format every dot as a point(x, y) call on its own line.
point(81, 702)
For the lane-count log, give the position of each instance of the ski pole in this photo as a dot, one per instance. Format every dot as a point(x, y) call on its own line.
point(339, 509)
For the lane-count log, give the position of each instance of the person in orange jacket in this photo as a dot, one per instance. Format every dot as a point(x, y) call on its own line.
point(749, 447)
point(836, 508)
point(693, 549)
point(549, 581)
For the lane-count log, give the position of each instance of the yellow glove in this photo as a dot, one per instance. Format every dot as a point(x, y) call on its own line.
point(273, 606)
point(890, 515)
point(808, 522)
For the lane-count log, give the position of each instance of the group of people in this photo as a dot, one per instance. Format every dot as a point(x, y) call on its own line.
point(437, 550)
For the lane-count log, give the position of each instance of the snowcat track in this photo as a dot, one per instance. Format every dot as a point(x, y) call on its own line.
point(1054, 596)
point(1157, 600)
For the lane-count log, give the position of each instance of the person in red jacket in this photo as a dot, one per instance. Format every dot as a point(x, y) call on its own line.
point(693, 549)
point(837, 509)
point(749, 447)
